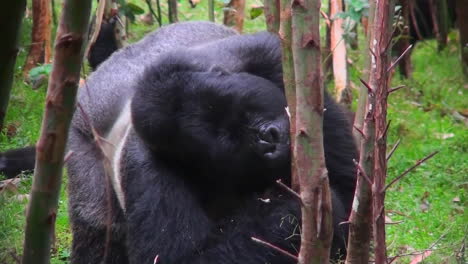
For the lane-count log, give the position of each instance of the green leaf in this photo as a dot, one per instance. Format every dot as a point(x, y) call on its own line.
point(35, 72)
point(256, 12)
point(135, 9)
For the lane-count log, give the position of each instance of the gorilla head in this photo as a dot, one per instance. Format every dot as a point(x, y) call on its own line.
point(232, 125)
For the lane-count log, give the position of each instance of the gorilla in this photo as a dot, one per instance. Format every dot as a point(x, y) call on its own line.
point(16, 161)
point(195, 134)
point(105, 44)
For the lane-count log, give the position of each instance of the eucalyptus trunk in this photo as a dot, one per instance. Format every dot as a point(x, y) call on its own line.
point(338, 48)
point(211, 14)
point(379, 82)
point(360, 221)
point(285, 34)
point(40, 49)
point(317, 230)
point(59, 106)
point(363, 91)
point(173, 15)
point(272, 15)
point(234, 14)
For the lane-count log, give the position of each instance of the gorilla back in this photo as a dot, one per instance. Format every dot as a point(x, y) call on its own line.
point(196, 133)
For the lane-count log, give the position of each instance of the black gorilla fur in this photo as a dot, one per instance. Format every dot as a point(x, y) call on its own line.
point(195, 171)
point(16, 161)
point(105, 43)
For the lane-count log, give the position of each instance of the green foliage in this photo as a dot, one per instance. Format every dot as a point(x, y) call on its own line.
point(129, 10)
point(356, 9)
point(256, 11)
point(35, 72)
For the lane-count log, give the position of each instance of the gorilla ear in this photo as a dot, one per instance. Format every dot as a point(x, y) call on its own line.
point(219, 70)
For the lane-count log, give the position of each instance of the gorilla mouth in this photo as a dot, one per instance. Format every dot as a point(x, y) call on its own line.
point(266, 148)
point(270, 140)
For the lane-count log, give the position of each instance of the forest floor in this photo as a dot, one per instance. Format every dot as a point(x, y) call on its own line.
point(427, 207)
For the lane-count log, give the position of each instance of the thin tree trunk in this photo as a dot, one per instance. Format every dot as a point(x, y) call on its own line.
point(39, 51)
point(403, 42)
point(234, 14)
point(444, 22)
point(272, 15)
point(60, 103)
point(173, 16)
point(360, 221)
point(285, 34)
point(434, 18)
point(10, 26)
point(462, 18)
point(211, 10)
point(338, 46)
point(327, 51)
point(317, 221)
point(363, 94)
point(379, 82)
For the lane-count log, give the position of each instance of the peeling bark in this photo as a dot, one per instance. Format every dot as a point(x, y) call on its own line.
point(272, 15)
point(40, 49)
point(234, 15)
point(60, 103)
point(308, 151)
point(285, 34)
point(338, 47)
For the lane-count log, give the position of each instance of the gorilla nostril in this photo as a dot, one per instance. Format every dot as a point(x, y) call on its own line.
point(271, 134)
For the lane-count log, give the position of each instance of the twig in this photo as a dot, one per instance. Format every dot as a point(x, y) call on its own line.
point(282, 251)
point(369, 89)
point(325, 16)
point(360, 132)
point(399, 58)
point(289, 190)
point(344, 223)
point(386, 129)
point(68, 156)
point(150, 7)
point(362, 172)
point(373, 54)
point(396, 89)
point(389, 155)
point(417, 164)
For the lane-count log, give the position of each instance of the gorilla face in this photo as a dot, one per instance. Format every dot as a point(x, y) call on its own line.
point(232, 124)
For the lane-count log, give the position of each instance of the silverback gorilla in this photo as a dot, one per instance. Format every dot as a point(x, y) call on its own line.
point(197, 131)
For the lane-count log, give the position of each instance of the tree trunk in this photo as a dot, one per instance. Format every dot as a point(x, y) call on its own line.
point(312, 173)
point(363, 94)
point(285, 34)
point(462, 18)
point(272, 15)
point(444, 22)
point(234, 14)
point(173, 16)
point(403, 42)
point(10, 26)
point(60, 103)
point(211, 14)
point(338, 46)
point(39, 51)
point(327, 50)
point(360, 221)
point(379, 82)
point(440, 21)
